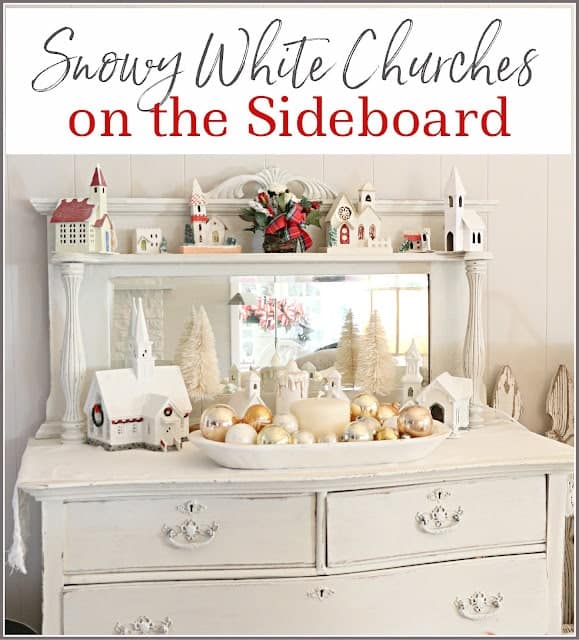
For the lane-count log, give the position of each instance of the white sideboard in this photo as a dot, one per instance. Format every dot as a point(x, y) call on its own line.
point(466, 541)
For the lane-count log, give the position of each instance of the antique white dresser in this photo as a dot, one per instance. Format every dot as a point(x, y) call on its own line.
point(466, 541)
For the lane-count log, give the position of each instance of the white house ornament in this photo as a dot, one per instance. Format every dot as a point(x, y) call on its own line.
point(291, 385)
point(412, 378)
point(204, 233)
point(331, 381)
point(249, 395)
point(141, 405)
point(448, 399)
point(84, 226)
point(148, 240)
point(463, 230)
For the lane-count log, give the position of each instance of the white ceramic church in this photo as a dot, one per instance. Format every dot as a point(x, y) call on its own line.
point(84, 226)
point(141, 406)
point(464, 229)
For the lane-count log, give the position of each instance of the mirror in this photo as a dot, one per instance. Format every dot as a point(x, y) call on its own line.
point(253, 317)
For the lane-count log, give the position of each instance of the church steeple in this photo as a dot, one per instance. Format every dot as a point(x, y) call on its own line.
point(454, 194)
point(142, 360)
point(98, 192)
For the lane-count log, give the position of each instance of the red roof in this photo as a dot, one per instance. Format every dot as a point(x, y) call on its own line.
point(98, 180)
point(72, 211)
point(199, 218)
point(412, 236)
point(100, 221)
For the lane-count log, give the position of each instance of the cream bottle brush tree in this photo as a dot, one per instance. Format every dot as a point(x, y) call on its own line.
point(375, 371)
point(197, 357)
point(347, 353)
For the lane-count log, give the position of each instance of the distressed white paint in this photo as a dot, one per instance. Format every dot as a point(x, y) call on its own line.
point(530, 308)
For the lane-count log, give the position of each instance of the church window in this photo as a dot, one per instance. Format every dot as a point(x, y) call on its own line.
point(168, 412)
point(460, 201)
point(198, 208)
point(361, 232)
point(368, 198)
point(450, 201)
point(96, 190)
point(373, 231)
point(473, 238)
point(479, 238)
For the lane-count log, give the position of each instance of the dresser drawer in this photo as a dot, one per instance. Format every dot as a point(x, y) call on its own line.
point(205, 532)
point(495, 595)
point(417, 521)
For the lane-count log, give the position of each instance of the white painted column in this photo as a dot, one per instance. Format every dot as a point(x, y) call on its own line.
point(72, 360)
point(474, 352)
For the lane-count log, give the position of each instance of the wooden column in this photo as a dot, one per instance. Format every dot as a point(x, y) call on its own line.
point(72, 360)
point(474, 352)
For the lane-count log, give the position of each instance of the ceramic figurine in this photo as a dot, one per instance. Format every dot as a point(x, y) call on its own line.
point(417, 241)
point(205, 234)
point(463, 230)
point(291, 386)
point(139, 406)
point(148, 240)
point(84, 226)
point(448, 399)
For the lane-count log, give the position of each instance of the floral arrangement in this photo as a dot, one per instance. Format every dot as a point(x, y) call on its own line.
point(268, 311)
point(283, 219)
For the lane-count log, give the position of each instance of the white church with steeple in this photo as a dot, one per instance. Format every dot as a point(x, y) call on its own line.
point(463, 230)
point(142, 405)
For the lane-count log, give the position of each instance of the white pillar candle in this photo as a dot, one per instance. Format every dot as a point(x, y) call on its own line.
point(322, 415)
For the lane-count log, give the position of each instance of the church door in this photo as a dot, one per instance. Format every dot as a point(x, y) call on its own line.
point(450, 241)
point(344, 234)
point(437, 412)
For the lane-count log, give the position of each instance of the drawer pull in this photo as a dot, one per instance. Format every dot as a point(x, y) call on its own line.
point(321, 593)
point(189, 534)
point(478, 605)
point(439, 520)
point(144, 626)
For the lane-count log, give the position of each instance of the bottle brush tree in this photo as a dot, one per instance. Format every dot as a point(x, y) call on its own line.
point(375, 371)
point(347, 354)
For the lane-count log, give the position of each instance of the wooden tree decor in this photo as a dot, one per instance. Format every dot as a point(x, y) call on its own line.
point(560, 406)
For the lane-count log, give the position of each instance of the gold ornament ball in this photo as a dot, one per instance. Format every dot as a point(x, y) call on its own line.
point(364, 404)
point(386, 434)
point(303, 437)
point(215, 422)
point(387, 410)
point(273, 434)
point(258, 416)
point(241, 433)
point(372, 424)
point(415, 421)
point(356, 431)
point(328, 438)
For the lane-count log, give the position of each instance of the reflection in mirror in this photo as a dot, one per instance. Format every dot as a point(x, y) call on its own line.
point(300, 317)
point(259, 318)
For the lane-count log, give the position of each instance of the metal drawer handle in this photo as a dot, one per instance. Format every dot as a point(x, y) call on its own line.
point(439, 520)
point(479, 605)
point(189, 534)
point(321, 593)
point(144, 626)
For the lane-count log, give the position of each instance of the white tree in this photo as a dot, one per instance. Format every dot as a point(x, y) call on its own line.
point(347, 353)
point(197, 357)
point(375, 372)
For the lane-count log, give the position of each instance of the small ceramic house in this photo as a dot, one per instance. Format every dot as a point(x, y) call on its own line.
point(291, 385)
point(148, 240)
point(448, 399)
point(141, 406)
point(418, 241)
point(242, 399)
point(206, 231)
point(412, 378)
point(463, 230)
point(84, 226)
point(353, 228)
point(332, 384)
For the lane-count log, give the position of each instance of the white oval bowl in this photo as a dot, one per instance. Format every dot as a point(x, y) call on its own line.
point(335, 454)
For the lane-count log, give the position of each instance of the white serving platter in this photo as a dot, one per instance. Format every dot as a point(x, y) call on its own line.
point(338, 454)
